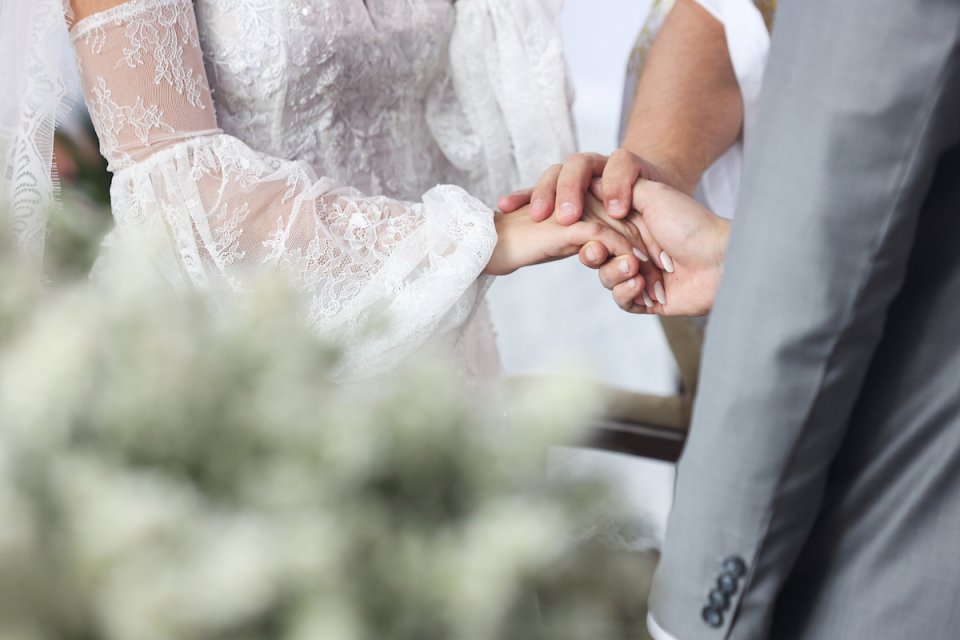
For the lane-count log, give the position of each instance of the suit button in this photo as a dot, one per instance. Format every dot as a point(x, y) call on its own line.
point(719, 599)
point(727, 584)
point(712, 616)
point(735, 566)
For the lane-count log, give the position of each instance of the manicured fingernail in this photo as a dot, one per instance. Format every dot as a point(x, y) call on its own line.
point(646, 299)
point(538, 205)
point(666, 261)
point(640, 254)
point(591, 254)
point(567, 210)
point(624, 267)
point(660, 293)
point(632, 283)
point(616, 206)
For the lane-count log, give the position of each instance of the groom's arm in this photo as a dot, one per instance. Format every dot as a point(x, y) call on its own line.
point(686, 112)
point(860, 99)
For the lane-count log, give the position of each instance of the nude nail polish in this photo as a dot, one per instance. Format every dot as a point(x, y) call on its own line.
point(616, 206)
point(640, 254)
point(666, 261)
point(624, 267)
point(646, 299)
point(567, 210)
point(660, 293)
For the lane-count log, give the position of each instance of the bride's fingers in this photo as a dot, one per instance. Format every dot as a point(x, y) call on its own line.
point(593, 254)
point(513, 201)
point(654, 251)
point(653, 277)
point(645, 194)
point(543, 199)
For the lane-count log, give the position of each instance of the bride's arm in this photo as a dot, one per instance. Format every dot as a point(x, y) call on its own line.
point(227, 212)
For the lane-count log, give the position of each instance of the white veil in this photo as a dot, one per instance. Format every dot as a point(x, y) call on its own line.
point(31, 37)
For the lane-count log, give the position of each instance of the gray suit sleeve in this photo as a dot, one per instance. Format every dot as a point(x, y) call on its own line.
point(859, 102)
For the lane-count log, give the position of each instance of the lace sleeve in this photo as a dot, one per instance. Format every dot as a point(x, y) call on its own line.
point(504, 114)
point(228, 212)
point(31, 35)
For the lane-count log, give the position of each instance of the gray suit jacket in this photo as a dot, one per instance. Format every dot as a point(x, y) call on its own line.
point(819, 493)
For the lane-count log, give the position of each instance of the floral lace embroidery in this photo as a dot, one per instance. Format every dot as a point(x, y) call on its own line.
point(151, 37)
point(230, 212)
point(111, 118)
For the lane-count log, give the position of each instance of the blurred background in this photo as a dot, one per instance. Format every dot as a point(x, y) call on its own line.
point(555, 316)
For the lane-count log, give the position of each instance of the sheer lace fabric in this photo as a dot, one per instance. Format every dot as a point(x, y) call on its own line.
point(30, 45)
point(395, 96)
point(229, 211)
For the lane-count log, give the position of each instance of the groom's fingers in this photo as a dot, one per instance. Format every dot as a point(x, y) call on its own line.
point(544, 196)
point(513, 201)
point(574, 181)
point(621, 172)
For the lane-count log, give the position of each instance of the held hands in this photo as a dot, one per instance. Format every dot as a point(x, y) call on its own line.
point(561, 189)
point(676, 267)
point(522, 241)
point(693, 242)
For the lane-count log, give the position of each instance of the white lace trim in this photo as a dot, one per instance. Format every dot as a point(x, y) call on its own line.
point(30, 39)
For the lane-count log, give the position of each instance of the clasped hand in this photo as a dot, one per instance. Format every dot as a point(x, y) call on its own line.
point(675, 259)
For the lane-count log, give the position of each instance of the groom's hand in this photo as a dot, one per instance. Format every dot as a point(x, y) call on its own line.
point(561, 188)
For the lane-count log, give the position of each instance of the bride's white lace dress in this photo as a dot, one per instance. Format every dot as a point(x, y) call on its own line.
point(309, 135)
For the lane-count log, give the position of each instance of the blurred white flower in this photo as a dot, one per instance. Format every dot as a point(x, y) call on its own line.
point(178, 467)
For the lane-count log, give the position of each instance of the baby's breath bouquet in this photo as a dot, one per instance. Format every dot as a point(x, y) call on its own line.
point(171, 473)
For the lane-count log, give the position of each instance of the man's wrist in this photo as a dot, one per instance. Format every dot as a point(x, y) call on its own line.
point(666, 168)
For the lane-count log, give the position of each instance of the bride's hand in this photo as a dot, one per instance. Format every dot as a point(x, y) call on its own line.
point(693, 237)
point(523, 242)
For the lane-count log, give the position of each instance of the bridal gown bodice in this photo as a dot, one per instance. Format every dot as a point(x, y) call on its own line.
point(308, 136)
point(341, 84)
